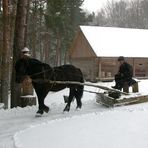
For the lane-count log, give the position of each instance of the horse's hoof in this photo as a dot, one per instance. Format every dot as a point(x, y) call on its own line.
point(39, 113)
point(46, 109)
point(66, 109)
point(78, 108)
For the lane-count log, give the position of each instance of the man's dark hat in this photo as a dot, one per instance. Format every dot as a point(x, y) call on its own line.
point(121, 58)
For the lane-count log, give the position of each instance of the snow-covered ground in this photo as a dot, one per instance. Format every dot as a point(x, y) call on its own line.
point(93, 126)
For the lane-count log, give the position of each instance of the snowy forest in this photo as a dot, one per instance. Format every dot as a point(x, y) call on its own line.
point(47, 28)
point(125, 14)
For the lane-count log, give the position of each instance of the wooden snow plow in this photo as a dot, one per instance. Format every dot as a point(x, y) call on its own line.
point(108, 101)
point(121, 100)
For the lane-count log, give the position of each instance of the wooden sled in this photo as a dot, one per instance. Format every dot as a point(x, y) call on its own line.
point(107, 101)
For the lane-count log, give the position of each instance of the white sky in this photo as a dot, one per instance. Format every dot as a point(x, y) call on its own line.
point(94, 5)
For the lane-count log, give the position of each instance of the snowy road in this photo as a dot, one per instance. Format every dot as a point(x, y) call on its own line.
point(15, 120)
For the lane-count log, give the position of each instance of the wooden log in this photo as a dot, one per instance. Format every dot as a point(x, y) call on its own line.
point(28, 100)
point(27, 88)
point(27, 97)
point(135, 87)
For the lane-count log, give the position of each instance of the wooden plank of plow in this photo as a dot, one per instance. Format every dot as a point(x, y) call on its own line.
point(132, 100)
point(105, 100)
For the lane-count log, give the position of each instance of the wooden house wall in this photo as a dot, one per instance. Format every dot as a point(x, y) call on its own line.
point(88, 67)
point(80, 47)
point(110, 66)
point(141, 67)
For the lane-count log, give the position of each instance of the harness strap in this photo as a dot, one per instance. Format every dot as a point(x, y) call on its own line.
point(54, 79)
point(46, 79)
point(44, 75)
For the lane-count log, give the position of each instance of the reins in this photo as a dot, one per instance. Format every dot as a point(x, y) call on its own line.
point(39, 73)
point(84, 84)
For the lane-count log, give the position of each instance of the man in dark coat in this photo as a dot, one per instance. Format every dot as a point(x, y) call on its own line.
point(124, 74)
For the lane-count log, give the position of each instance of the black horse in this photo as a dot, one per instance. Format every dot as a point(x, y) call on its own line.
point(40, 72)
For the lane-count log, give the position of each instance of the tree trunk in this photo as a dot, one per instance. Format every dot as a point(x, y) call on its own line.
point(40, 30)
point(0, 6)
point(19, 42)
point(5, 81)
point(47, 46)
point(58, 50)
point(26, 25)
point(0, 61)
point(34, 30)
point(66, 57)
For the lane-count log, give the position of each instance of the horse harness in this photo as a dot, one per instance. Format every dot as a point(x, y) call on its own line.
point(45, 79)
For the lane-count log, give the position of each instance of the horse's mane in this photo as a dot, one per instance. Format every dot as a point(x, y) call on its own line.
point(32, 60)
point(35, 61)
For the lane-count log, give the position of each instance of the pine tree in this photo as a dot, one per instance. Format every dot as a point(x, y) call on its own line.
point(5, 54)
point(62, 18)
point(19, 42)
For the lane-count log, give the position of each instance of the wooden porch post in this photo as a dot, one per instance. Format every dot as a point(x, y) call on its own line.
point(100, 68)
point(134, 67)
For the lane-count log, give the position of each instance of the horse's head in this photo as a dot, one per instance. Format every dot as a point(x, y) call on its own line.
point(21, 67)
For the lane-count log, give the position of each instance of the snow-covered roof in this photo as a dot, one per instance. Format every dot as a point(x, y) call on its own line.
point(114, 42)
